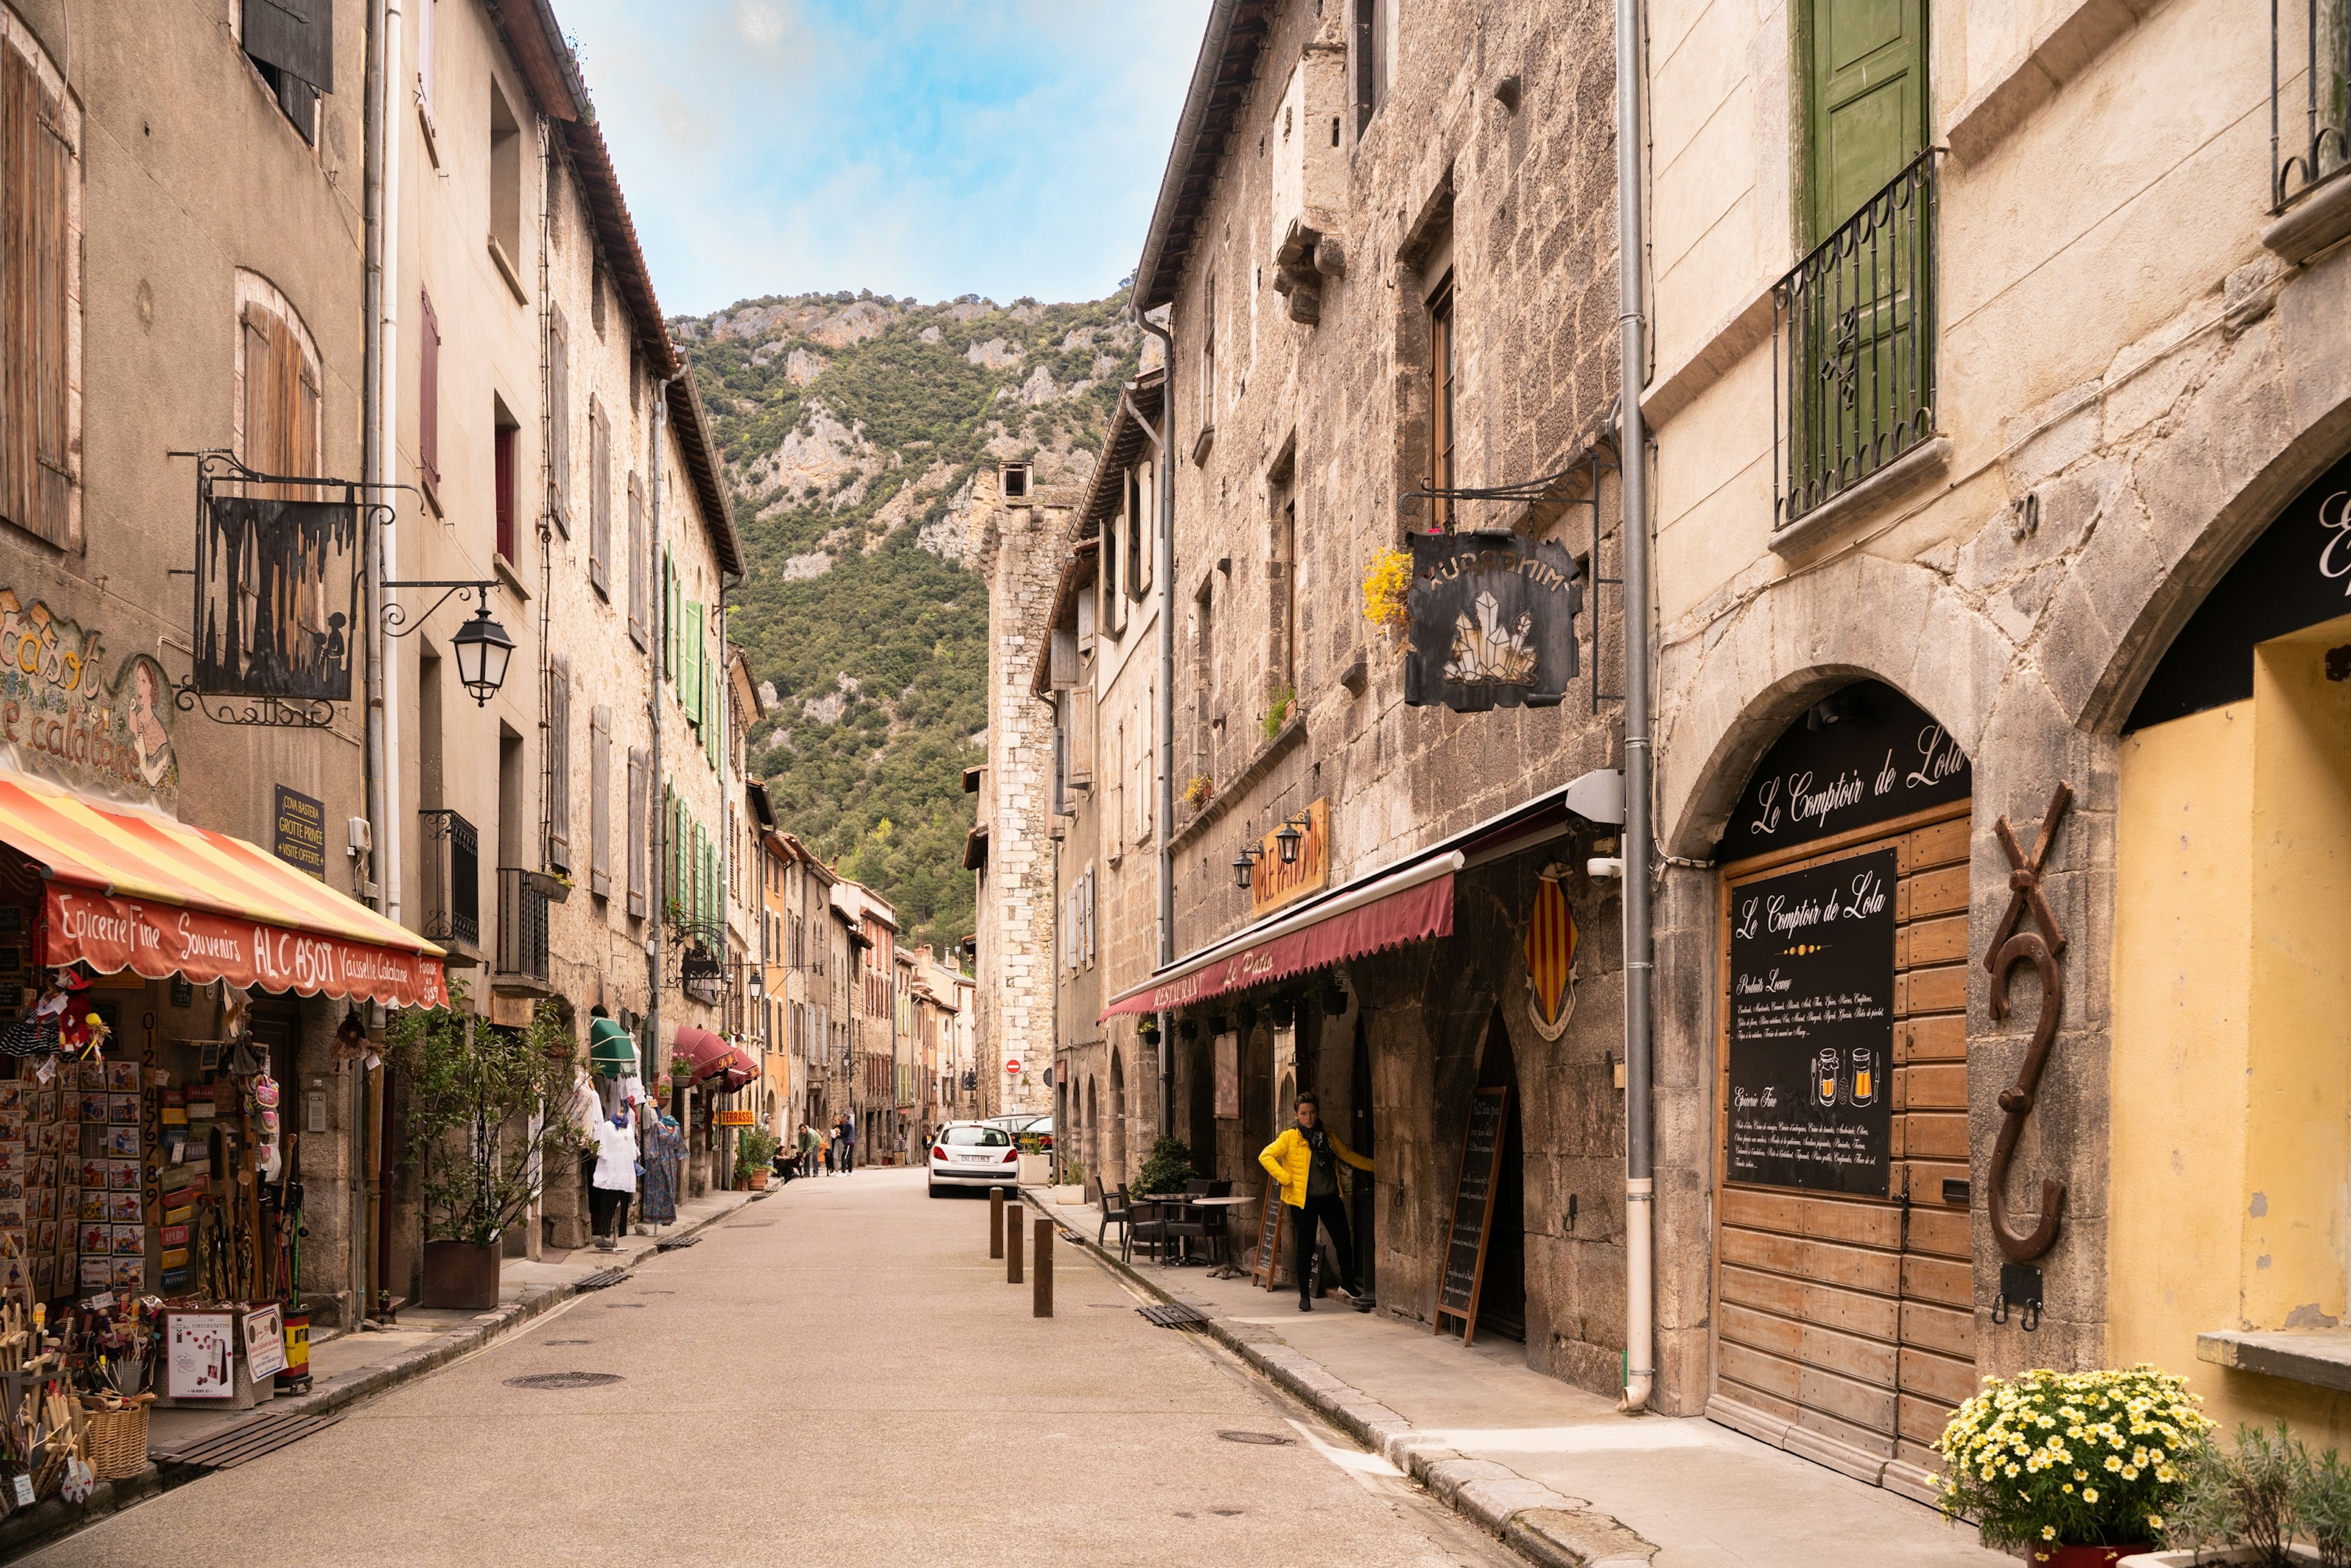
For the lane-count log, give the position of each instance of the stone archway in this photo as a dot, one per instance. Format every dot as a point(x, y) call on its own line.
point(1116, 1171)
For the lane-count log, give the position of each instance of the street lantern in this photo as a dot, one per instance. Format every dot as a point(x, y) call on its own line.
point(1289, 839)
point(483, 649)
point(1243, 864)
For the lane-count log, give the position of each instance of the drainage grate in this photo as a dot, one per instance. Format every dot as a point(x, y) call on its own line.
point(247, 1440)
point(671, 1243)
point(1271, 1440)
point(557, 1341)
point(1173, 1315)
point(602, 1279)
point(564, 1380)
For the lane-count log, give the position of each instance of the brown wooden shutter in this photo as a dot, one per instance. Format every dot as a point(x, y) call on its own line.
point(36, 258)
point(428, 393)
point(639, 807)
point(559, 417)
point(297, 36)
point(599, 497)
point(264, 444)
point(1081, 738)
point(600, 802)
point(559, 762)
point(640, 568)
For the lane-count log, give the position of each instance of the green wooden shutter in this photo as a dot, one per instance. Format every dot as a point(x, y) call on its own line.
point(1866, 114)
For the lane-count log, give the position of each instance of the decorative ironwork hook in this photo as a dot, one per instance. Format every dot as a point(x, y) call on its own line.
point(396, 618)
point(2011, 947)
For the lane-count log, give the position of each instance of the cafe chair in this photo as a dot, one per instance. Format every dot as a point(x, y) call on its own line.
point(1123, 1216)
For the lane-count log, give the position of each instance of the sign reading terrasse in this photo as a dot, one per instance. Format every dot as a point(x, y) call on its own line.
point(1867, 755)
point(1492, 621)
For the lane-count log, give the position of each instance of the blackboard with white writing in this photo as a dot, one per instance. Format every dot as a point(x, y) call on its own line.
point(1866, 755)
point(1812, 1027)
point(1465, 1244)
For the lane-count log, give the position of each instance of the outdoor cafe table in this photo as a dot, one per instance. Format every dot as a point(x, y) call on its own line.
point(1169, 1203)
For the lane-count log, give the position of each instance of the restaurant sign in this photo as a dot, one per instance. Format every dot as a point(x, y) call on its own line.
point(57, 709)
point(1277, 881)
point(1492, 621)
point(160, 940)
point(1865, 755)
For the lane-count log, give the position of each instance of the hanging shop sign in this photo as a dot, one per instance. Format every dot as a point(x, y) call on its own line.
point(698, 974)
point(277, 587)
point(297, 831)
point(107, 933)
point(56, 708)
point(1293, 860)
point(1812, 1027)
point(1867, 755)
point(737, 1119)
point(1492, 621)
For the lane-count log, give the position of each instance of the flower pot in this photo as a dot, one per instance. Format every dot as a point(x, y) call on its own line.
point(759, 1179)
point(461, 1274)
point(2084, 1556)
point(2211, 1559)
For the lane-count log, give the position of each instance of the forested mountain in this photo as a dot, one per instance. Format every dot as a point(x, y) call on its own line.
point(852, 426)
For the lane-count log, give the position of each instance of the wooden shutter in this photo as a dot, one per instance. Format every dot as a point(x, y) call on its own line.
point(35, 266)
point(1866, 101)
point(600, 497)
point(1081, 738)
point(281, 401)
point(669, 615)
point(689, 694)
point(637, 563)
point(559, 418)
point(428, 393)
point(297, 36)
point(559, 762)
point(600, 800)
point(640, 816)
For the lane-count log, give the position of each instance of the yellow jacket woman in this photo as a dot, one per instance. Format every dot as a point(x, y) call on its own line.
point(1289, 1160)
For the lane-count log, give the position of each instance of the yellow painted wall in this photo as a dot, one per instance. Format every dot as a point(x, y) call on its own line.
point(2231, 1067)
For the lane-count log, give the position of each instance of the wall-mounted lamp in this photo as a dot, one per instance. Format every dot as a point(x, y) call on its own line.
point(482, 646)
point(1245, 863)
point(1290, 837)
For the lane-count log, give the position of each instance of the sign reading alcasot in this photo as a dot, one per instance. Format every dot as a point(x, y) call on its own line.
point(1492, 621)
point(58, 710)
point(159, 940)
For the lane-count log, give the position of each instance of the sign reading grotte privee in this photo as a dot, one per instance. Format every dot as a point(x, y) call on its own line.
point(1867, 755)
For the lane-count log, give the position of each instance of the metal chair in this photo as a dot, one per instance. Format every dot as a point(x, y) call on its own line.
point(1123, 1217)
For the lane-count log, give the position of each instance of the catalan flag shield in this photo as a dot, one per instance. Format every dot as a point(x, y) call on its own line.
point(1551, 954)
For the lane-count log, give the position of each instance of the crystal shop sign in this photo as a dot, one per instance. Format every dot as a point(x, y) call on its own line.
point(1492, 621)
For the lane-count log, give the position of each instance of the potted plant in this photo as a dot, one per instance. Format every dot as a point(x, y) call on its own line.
point(2269, 1504)
point(754, 1149)
point(484, 1122)
point(1167, 1168)
point(554, 886)
point(1387, 589)
point(1071, 1189)
point(2079, 1468)
point(1149, 1030)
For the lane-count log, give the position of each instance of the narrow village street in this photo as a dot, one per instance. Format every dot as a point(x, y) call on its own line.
point(852, 1341)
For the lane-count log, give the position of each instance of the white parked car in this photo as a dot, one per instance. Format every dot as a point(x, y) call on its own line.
point(975, 1155)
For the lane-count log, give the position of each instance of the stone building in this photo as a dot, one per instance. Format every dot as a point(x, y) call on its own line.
point(1998, 465)
point(798, 892)
point(1384, 246)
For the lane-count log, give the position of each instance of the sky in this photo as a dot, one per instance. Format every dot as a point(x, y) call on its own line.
point(930, 148)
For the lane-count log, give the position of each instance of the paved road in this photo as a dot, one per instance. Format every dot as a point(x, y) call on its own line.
point(837, 1375)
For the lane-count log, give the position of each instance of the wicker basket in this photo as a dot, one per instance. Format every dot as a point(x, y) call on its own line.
point(117, 1440)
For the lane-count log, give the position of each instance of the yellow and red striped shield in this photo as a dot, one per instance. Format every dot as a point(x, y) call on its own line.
point(1550, 952)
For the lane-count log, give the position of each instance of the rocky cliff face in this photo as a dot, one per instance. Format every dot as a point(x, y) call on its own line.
point(852, 426)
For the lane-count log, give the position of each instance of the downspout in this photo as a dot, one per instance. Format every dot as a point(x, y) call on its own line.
point(1632, 455)
point(657, 891)
point(1163, 568)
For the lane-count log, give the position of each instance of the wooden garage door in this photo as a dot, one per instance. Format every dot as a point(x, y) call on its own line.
point(1850, 1317)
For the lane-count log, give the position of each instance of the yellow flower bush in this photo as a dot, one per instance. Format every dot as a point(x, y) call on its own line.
point(2071, 1459)
point(1385, 587)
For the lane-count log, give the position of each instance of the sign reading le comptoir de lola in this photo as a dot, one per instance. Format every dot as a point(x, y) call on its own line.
point(1865, 755)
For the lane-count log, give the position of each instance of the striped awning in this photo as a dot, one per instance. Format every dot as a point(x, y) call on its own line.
point(129, 888)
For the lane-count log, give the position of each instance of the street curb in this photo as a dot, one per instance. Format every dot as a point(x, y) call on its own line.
point(53, 1520)
point(1536, 1522)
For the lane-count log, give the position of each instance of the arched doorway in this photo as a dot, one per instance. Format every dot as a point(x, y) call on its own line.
point(1360, 1133)
point(1091, 1144)
point(1117, 1172)
point(1503, 1290)
point(1845, 1296)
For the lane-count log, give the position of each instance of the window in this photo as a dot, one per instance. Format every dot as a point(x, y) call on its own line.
point(1209, 358)
point(559, 418)
point(278, 430)
point(292, 44)
point(1370, 88)
point(559, 762)
point(600, 800)
point(1145, 777)
point(1440, 399)
point(504, 448)
point(1281, 582)
point(640, 611)
point(1139, 544)
point(1016, 481)
point(40, 265)
point(640, 808)
point(428, 397)
point(505, 187)
point(596, 294)
point(600, 497)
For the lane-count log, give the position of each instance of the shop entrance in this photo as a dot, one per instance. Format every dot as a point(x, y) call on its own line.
point(1843, 1301)
point(1503, 1294)
point(1360, 1135)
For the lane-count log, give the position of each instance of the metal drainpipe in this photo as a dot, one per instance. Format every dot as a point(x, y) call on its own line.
point(1640, 1168)
point(1164, 569)
point(659, 841)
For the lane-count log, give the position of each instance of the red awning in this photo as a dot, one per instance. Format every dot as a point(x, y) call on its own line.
point(1410, 905)
point(712, 1057)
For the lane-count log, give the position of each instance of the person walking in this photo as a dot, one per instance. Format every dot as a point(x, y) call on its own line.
point(1306, 1160)
point(844, 1138)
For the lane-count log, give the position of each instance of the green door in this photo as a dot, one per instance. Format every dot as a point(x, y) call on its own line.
point(1866, 113)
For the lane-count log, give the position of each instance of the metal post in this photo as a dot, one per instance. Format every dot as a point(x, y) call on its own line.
point(996, 1222)
point(1012, 1252)
point(1040, 1304)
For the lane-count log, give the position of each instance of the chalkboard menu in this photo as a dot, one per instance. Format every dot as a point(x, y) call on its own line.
point(1812, 1027)
point(1473, 1213)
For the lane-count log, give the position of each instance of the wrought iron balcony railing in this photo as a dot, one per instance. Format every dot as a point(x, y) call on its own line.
point(2306, 156)
point(522, 928)
point(1854, 347)
point(453, 879)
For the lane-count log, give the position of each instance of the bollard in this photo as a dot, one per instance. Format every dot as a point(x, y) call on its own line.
point(1012, 1252)
point(1041, 1303)
point(996, 1222)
